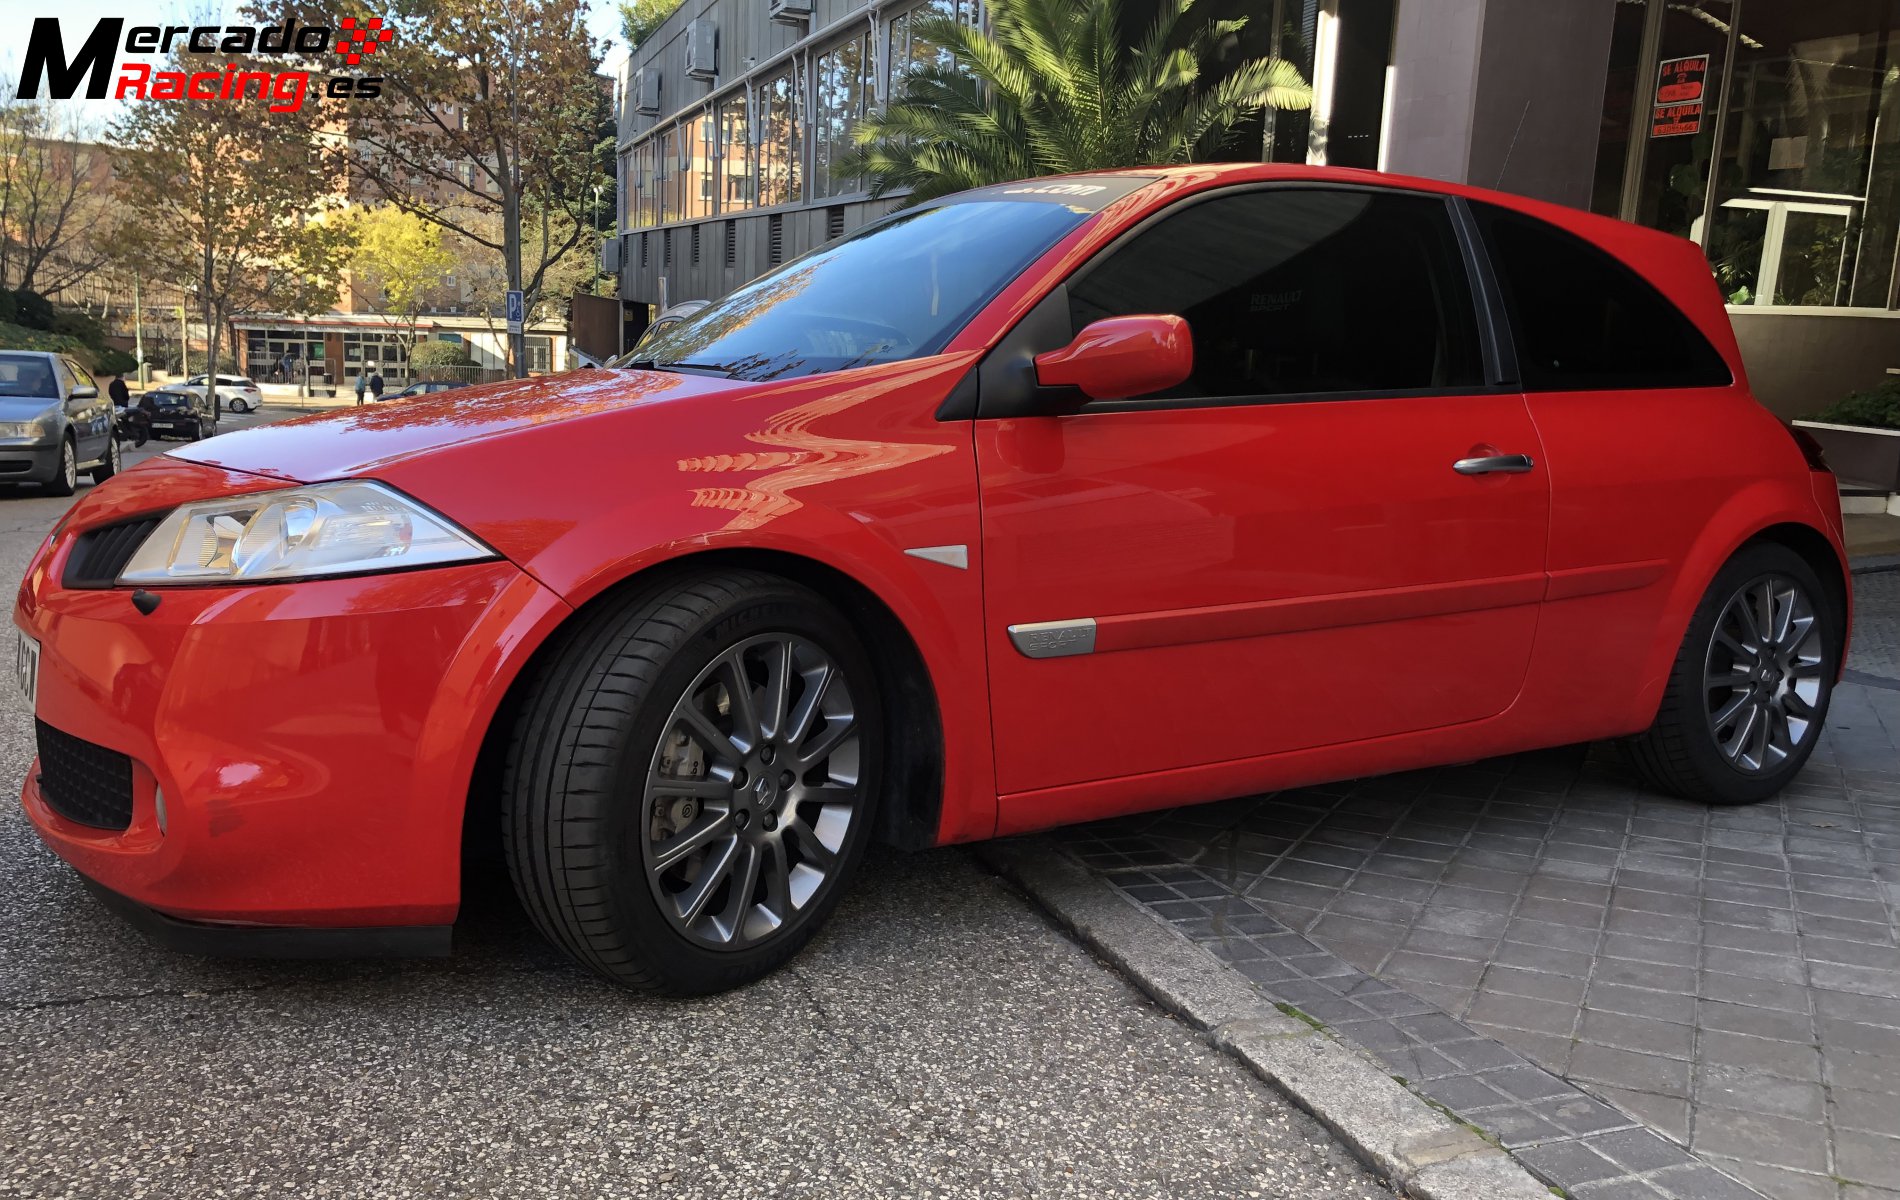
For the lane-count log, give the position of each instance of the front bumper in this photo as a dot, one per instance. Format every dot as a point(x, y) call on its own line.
point(22, 462)
point(313, 742)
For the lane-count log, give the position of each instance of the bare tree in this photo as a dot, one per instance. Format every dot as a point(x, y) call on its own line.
point(54, 195)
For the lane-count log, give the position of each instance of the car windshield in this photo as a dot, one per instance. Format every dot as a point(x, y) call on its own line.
point(27, 375)
point(900, 289)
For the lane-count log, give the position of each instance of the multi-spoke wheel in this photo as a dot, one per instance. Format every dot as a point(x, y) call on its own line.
point(692, 780)
point(65, 480)
point(111, 464)
point(752, 791)
point(1750, 688)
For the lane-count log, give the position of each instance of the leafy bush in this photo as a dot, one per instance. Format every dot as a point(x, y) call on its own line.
point(32, 310)
point(9, 307)
point(113, 361)
point(1879, 408)
point(19, 337)
point(76, 323)
point(440, 354)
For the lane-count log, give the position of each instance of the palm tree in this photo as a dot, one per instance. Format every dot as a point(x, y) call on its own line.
point(1055, 88)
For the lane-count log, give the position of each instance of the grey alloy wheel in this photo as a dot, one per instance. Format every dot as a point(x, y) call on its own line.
point(1763, 674)
point(752, 792)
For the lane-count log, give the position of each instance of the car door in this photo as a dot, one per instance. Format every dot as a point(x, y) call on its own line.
point(90, 415)
point(1308, 543)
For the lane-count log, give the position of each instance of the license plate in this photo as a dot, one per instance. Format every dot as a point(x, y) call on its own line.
point(26, 666)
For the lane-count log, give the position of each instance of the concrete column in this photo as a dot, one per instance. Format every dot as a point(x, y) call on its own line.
point(1503, 94)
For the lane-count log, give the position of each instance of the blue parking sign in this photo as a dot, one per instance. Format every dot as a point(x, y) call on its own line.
point(517, 312)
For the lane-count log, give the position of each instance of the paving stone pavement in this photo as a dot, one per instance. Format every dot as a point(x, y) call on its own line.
point(1638, 996)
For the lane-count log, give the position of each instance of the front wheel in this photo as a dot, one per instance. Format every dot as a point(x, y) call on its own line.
point(1749, 691)
point(65, 480)
point(692, 780)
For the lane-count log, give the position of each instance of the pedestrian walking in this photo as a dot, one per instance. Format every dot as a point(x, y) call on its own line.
point(376, 385)
point(362, 385)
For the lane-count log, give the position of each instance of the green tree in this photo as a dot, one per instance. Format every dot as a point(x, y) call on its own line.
point(229, 206)
point(400, 264)
point(1055, 87)
point(494, 124)
point(639, 18)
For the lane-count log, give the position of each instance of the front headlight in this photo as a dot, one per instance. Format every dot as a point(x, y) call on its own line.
point(347, 528)
point(26, 429)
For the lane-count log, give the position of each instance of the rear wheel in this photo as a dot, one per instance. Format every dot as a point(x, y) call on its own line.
point(692, 781)
point(1750, 688)
point(108, 467)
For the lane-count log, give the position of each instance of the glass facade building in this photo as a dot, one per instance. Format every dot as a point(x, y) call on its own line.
point(1765, 130)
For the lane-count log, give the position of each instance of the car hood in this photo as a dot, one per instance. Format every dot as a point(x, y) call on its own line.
point(360, 441)
point(25, 408)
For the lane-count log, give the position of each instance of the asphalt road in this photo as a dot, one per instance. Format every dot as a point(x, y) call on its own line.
point(939, 1038)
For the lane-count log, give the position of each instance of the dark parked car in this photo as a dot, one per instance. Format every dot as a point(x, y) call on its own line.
point(178, 413)
point(426, 388)
point(54, 422)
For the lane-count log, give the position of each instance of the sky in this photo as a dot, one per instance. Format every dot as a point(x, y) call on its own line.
point(77, 18)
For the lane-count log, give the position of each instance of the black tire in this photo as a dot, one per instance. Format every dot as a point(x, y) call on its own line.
point(110, 465)
point(1681, 753)
point(579, 824)
point(66, 474)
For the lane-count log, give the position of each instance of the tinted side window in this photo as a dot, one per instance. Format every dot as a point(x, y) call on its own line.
point(80, 377)
point(1295, 291)
point(1582, 320)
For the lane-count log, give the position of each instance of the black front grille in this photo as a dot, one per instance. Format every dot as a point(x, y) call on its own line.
point(100, 554)
point(83, 782)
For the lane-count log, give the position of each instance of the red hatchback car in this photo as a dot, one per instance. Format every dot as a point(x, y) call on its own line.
point(1046, 502)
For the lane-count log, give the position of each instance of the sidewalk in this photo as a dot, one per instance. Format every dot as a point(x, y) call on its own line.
point(1638, 997)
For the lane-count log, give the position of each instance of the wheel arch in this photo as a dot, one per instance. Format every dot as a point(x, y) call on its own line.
point(1819, 553)
point(914, 738)
point(1764, 514)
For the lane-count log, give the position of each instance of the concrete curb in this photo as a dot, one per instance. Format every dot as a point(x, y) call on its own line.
point(1423, 1152)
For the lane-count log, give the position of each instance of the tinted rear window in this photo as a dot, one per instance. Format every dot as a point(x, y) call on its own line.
point(1583, 320)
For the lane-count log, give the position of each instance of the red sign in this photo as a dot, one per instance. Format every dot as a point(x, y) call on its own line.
point(1679, 88)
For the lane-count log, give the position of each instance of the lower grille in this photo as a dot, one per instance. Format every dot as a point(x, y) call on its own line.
point(83, 782)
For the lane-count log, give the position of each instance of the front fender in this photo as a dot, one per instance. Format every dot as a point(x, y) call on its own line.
point(846, 471)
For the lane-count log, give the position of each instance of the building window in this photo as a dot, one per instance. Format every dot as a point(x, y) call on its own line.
point(696, 136)
point(643, 206)
point(1782, 167)
point(539, 350)
point(841, 95)
point(780, 148)
point(911, 49)
point(735, 155)
point(672, 177)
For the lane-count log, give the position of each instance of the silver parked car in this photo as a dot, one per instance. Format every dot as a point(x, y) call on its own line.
point(53, 422)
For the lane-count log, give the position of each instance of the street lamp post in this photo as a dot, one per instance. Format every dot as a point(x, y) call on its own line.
point(138, 329)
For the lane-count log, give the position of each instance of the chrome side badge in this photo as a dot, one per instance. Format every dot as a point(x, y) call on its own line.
point(949, 556)
point(1054, 639)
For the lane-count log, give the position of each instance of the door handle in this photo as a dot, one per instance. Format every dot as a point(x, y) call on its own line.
point(1494, 464)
